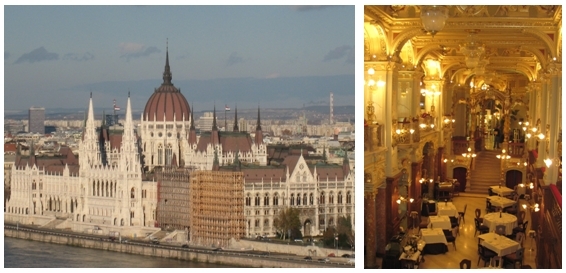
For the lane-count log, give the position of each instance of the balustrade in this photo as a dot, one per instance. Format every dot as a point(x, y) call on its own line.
point(516, 149)
point(459, 146)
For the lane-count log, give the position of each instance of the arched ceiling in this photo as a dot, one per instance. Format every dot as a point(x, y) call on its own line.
point(518, 39)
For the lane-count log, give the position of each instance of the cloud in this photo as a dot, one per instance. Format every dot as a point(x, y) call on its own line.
point(6, 55)
point(339, 53)
point(37, 55)
point(76, 57)
point(310, 8)
point(234, 59)
point(133, 50)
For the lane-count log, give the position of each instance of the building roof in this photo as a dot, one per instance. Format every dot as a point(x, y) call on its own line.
point(230, 141)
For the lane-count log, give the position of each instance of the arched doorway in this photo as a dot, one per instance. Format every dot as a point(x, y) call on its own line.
point(460, 174)
point(307, 228)
point(513, 178)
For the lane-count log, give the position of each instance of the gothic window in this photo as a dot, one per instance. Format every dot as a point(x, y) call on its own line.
point(298, 199)
point(160, 154)
point(248, 200)
point(257, 200)
point(168, 154)
point(275, 199)
point(132, 192)
point(331, 198)
point(266, 223)
point(257, 222)
point(331, 221)
point(321, 200)
point(298, 178)
point(339, 197)
point(292, 199)
point(348, 198)
point(266, 200)
point(321, 221)
point(305, 199)
point(311, 197)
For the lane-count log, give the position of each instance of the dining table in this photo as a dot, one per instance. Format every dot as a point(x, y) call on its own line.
point(435, 241)
point(492, 220)
point(498, 243)
point(447, 209)
point(498, 201)
point(439, 221)
point(502, 190)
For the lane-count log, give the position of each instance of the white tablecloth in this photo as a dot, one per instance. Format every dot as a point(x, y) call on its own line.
point(433, 236)
point(442, 222)
point(508, 220)
point(503, 191)
point(447, 209)
point(415, 256)
point(499, 201)
point(499, 244)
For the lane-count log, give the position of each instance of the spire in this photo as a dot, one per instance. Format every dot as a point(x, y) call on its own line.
point(192, 130)
point(167, 73)
point(192, 118)
point(236, 129)
point(214, 128)
point(258, 126)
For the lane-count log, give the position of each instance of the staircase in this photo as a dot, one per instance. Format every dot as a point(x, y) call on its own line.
point(487, 172)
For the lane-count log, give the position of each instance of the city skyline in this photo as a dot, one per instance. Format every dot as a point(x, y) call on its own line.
point(281, 56)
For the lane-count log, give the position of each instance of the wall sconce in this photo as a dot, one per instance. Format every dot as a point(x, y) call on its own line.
point(524, 163)
point(404, 199)
point(531, 186)
point(534, 207)
point(548, 162)
point(469, 154)
point(503, 155)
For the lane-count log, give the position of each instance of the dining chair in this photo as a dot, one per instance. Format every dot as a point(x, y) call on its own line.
point(462, 213)
point(479, 227)
point(488, 207)
point(511, 210)
point(496, 261)
point(467, 263)
point(478, 214)
point(485, 255)
point(520, 238)
point(490, 192)
point(513, 258)
point(423, 223)
point(500, 229)
point(408, 264)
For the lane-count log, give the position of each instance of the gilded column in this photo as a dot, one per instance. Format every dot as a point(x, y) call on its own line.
point(555, 71)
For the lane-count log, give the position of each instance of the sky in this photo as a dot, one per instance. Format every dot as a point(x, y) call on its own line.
point(54, 56)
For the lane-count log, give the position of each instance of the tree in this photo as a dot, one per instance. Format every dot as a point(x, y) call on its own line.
point(288, 219)
point(345, 230)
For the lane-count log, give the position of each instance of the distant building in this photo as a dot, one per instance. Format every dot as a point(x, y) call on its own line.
point(37, 120)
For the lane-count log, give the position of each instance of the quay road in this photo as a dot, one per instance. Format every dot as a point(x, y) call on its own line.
point(255, 254)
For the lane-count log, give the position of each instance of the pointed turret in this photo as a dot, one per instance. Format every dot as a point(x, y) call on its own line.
point(214, 127)
point(214, 134)
point(236, 129)
point(167, 76)
point(215, 162)
point(192, 130)
point(258, 132)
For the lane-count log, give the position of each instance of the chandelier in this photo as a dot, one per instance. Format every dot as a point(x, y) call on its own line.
point(434, 18)
point(472, 50)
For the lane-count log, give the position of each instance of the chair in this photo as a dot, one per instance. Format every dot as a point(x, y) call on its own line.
point(423, 223)
point(467, 263)
point(521, 228)
point(515, 257)
point(479, 227)
point(462, 213)
point(490, 192)
point(478, 213)
point(500, 229)
point(454, 221)
point(456, 188)
point(434, 213)
point(485, 255)
point(488, 207)
point(511, 210)
point(451, 237)
point(408, 264)
point(520, 238)
point(496, 262)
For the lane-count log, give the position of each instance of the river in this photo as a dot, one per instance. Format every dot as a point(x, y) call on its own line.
point(20, 253)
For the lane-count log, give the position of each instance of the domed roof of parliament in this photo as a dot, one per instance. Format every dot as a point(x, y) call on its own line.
point(167, 103)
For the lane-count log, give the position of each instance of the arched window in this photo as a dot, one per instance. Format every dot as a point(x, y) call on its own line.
point(321, 221)
point(339, 197)
point(160, 154)
point(298, 199)
point(331, 198)
point(257, 200)
point(276, 199)
point(331, 221)
point(311, 198)
point(168, 154)
point(305, 202)
point(321, 200)
point(266, 200)
point(348, 198)
point(248, 200)
point(132, 192)
point(292, 199)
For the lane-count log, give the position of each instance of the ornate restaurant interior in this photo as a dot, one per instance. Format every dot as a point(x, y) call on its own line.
point(462, 136)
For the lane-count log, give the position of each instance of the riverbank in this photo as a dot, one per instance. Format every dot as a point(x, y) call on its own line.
point(170, 252)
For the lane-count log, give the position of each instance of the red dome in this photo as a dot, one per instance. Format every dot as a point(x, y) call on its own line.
point(167, 102)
